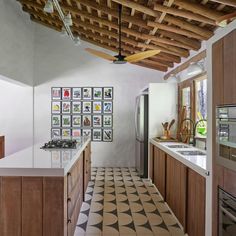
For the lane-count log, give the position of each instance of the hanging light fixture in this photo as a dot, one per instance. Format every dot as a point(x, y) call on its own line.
point(48, 8)
point(63, 32)
point(77, 41)
point(194, 69)
point(68, 20)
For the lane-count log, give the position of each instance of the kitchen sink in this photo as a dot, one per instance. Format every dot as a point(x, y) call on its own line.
point(192, 153)
point(177, 146)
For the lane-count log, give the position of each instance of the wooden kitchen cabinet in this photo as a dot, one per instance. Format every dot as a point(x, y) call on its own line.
point(223, 86)
point(229, 63)
point(87, 166)
point(196, 195)
point(43, 205)
point(2, 146)
point(176, 188)
point(159, 170)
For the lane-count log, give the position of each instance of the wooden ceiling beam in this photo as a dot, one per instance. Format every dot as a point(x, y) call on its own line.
point(144, 63)
point(163, 47)
point(231, 3)
point(129, 49)
point(183, 13)
point(180, 38)
point(199, 9)
point(175, 30)
point(190, 44)
point(146, 10)
point(195, 45)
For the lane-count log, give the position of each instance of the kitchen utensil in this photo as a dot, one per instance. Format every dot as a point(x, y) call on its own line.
point(171, 124)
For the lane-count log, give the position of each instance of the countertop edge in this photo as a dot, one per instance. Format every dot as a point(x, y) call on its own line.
point(188, 163)
point(43, 172)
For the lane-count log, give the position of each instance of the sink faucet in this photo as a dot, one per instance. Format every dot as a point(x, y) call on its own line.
point(194, 131)
point(191, 130)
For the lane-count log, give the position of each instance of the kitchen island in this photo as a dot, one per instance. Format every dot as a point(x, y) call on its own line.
point(41, 191)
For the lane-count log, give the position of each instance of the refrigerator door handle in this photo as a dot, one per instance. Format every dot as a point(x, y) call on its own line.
point(136, 117)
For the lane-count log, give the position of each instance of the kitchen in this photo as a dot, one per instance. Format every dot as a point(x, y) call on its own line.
point(37, 59)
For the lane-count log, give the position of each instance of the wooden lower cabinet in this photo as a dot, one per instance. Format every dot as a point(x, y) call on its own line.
point(2, 146)
point(176, 183)
point(196, 195)
point(87, 166)
point(43, 206)
point(183, 189)
point(159, 170)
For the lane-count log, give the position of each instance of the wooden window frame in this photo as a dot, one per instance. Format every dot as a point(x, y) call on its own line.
point(192, 84)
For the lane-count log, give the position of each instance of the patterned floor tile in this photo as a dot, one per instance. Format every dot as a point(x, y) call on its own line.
point(119, 203)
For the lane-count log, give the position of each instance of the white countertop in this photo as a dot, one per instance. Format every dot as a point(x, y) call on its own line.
point(196, 162)
point(34, 161)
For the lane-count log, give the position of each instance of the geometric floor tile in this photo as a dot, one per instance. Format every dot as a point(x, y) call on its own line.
point(118, 202)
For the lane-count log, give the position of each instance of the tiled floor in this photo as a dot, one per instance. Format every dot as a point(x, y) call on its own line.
point(119, 203)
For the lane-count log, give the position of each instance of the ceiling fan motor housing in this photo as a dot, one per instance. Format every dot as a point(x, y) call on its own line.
point(120, 60)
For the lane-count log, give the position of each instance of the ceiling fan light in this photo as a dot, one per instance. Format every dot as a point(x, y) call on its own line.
point(48, 8)
point(194, 69)
point(68, 20)
point(77, 41)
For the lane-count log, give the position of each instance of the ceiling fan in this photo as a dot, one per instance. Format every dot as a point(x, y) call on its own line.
point(121, 59)
point(223, 20)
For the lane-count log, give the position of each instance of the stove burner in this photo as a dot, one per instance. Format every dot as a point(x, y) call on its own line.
point(60, 143)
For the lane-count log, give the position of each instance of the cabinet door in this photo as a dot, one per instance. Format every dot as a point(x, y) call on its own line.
point(176, 187)
point(159, 169)
point(230, 68)
point(196, 204)
point(87, 166)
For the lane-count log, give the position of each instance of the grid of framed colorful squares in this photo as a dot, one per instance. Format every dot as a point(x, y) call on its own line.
point(82, 111)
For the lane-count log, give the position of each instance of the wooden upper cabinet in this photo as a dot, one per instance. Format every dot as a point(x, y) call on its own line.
point(218, 73)
point(159, 171)
point(230, 68)
point(176, 188)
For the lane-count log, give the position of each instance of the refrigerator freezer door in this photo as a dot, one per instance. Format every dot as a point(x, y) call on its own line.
point(139, 118)
point(140, 157)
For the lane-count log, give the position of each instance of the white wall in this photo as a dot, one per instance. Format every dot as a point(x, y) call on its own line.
point(16, 73)
point(60, 63)
point(16, 42)
point(16, 121)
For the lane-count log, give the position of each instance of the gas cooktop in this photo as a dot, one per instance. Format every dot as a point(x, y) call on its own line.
point(60, 143)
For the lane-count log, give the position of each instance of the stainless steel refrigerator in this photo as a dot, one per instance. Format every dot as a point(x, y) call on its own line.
point(141, 130)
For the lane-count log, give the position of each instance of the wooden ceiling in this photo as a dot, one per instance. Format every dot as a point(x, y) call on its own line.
point(173, 26)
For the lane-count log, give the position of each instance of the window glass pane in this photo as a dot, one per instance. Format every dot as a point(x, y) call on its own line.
point(201, 106)
point(186, 100)
point(201, 99)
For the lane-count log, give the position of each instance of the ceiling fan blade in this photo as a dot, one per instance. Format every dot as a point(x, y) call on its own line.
point(101, 54)
point(223, 20)
point(141, 55)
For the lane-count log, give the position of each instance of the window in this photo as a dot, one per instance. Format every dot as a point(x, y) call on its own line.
point(201, 98)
